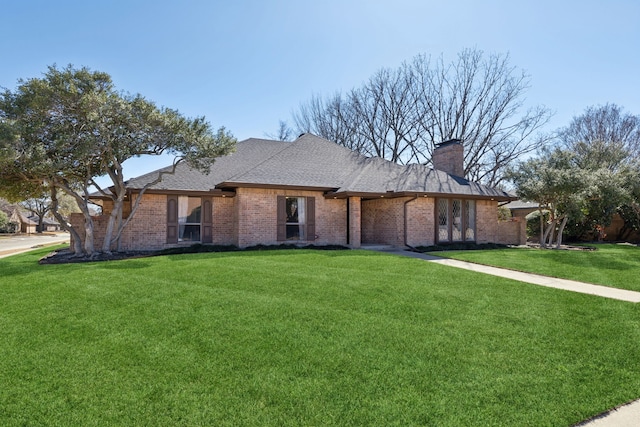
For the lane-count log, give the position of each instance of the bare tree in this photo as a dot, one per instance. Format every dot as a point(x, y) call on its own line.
point(603, 136)
point(40, 207)
point(400, 114)
point(284, 132)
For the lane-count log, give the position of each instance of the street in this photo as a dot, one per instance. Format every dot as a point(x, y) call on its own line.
point(24, 242)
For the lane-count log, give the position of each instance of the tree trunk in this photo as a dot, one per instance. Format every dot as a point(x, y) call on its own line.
point(88, 236)
point(547, 237)
point(77, 241)
point(564, 222)
point(111, 224)
point(540, 239)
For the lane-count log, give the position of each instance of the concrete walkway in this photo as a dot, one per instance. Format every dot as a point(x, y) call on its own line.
point(624, 416)
point(536, 279)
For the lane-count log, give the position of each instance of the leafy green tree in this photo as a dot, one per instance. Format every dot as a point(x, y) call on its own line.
point(605, 141)
point(630, 211)
point(4, 221)
point(64, 130)
point(558, 185)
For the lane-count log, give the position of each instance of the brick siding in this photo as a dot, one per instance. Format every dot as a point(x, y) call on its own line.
point(421, 222)
point(250, 218)
point(256, 210)
point(513, 232)
point(383, 221)
point(449, 158)
point(355, 222)
point(486, 221)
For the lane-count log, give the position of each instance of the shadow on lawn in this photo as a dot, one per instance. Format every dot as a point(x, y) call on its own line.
point(584, 260)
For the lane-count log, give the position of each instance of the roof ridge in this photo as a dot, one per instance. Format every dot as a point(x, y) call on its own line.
point(355, 177)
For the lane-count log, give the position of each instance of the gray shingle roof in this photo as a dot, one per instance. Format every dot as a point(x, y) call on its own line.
point(314, 162)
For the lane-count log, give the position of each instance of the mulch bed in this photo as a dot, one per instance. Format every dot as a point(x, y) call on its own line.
point(65, 256)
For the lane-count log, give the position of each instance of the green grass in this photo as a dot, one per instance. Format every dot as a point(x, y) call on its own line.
point(288, 338)
point(609, 265)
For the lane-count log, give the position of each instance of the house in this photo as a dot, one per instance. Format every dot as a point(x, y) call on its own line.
point(19, 221)
point(48, 224)
point(312, 191)
point(522, 209)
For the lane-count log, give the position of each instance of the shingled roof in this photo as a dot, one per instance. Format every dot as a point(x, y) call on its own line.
point(314, 162)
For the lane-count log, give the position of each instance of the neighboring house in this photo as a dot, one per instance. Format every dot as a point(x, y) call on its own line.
point(47, 224)
point(27, 225)
point(20, 222)
point(521, 209)
point(614, 232)
point(312, 191)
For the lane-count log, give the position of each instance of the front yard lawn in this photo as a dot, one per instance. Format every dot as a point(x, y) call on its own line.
point(609, 265)
point(302, 337)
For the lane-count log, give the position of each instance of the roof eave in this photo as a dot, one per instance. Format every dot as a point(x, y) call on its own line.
point(234, 185)
point(396, 194)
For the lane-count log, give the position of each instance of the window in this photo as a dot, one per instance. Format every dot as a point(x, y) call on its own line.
point(296, 218)
point(456, 220)
point(443, 220)
point(189, 213)
point(470, 220)
point(189, 219)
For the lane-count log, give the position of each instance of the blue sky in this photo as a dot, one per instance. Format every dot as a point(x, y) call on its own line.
point(247, 64)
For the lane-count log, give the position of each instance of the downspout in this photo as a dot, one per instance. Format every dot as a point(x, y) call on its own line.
point(405, 223)
point(348, 220)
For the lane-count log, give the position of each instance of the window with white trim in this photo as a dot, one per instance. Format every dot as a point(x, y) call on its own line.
point(296, 210)
point(189, 218)
point(296, 218)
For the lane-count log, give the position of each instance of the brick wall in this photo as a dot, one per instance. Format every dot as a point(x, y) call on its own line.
point(490, 230)
point(421, 222)
point(449, 157)
point(224, 221)
point(383, 221)
point(486, 221)
point(147, 230)
point(99, 227)
point(250, 218)
point(513, 232)
point(355, 222)
point(148, 227)
point(256, 211)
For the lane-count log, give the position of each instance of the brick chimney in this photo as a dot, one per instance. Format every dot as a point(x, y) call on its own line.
point(448, 156)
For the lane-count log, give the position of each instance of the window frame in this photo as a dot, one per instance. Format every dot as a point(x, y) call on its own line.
point(465, 224)
point(306, 229)
point(174, 224)
point(193, 205)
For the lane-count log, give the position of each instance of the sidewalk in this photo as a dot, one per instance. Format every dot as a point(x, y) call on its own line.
point(624, 416)
point(536, 279)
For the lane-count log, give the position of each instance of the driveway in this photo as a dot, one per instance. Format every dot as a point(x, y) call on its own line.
point(24, 242)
